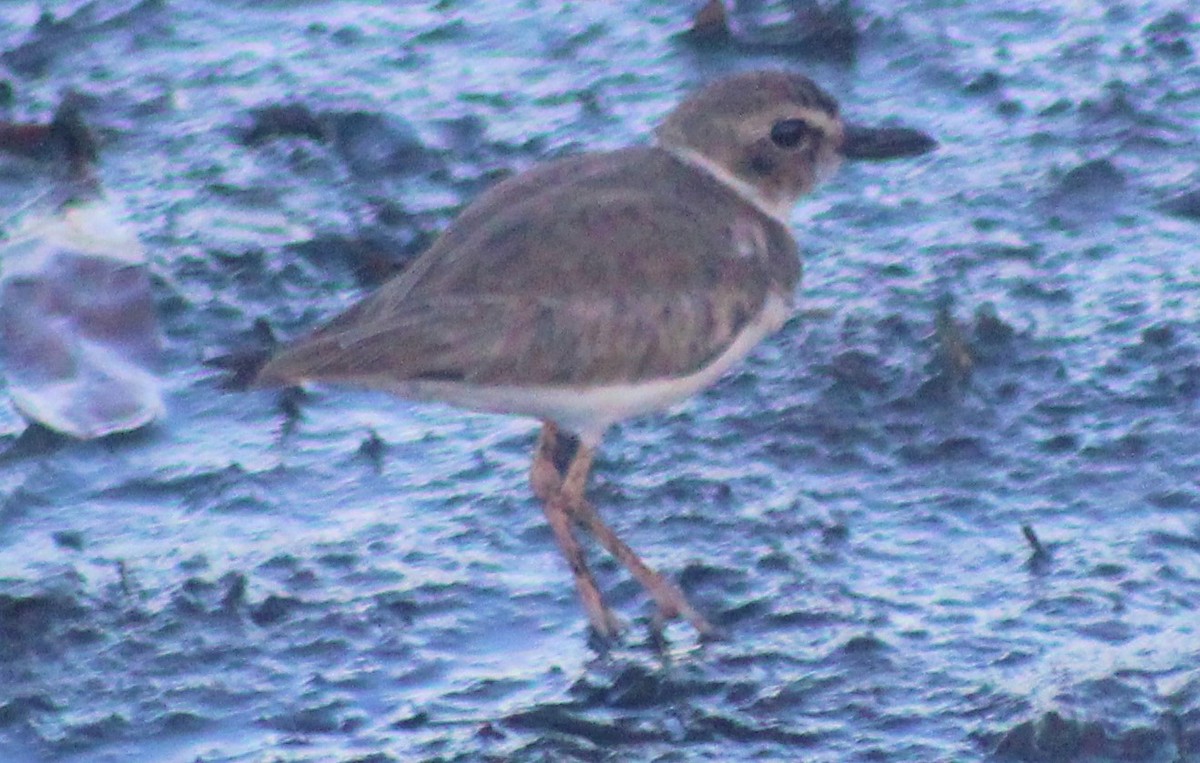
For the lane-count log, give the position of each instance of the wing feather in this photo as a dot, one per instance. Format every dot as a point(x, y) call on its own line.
point(623, 267)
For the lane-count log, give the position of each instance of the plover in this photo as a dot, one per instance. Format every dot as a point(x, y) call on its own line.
point(598, 287)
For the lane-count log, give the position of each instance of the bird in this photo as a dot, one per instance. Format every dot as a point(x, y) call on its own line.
point(594, 288)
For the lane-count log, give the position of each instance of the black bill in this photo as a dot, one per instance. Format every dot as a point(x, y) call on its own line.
point(885, 142)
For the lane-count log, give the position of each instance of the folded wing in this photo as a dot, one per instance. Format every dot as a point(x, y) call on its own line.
point(585, 271)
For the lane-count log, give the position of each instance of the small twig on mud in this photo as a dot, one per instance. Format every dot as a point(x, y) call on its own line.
point(123, 577)
point(1040, 553)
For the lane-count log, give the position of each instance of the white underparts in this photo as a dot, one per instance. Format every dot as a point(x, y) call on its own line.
point(589, 411)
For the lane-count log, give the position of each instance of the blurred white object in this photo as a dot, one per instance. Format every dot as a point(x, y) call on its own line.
point(79, 338)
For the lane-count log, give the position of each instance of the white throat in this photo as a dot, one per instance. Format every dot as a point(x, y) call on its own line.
point(777, 211)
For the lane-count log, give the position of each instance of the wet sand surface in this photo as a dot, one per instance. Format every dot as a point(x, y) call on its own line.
point(1000, 334)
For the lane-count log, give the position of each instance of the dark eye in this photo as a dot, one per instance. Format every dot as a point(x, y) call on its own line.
point(789, 133)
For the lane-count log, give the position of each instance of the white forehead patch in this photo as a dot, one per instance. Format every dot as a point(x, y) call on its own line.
point(823, 121)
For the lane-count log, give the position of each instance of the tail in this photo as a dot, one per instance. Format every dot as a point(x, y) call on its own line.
point(297, 362)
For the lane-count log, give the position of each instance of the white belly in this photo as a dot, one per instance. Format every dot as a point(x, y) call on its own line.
point(589, 411)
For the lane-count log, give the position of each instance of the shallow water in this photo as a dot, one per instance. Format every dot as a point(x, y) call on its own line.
point(237, 584)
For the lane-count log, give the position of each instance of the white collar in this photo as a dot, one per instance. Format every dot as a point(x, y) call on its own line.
point(777, 212)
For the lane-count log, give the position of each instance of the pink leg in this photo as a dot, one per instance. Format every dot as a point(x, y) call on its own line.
point(555, 493)
point(547, 482)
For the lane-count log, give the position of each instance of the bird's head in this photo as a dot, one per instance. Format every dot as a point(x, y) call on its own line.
point(775, 135)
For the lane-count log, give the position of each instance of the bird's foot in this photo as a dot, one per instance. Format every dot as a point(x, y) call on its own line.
point(604, 631)
point(672, 604)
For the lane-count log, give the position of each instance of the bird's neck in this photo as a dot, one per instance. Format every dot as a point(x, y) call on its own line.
point(776, 210)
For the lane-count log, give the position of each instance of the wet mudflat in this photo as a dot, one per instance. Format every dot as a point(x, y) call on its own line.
point(1000, 334)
